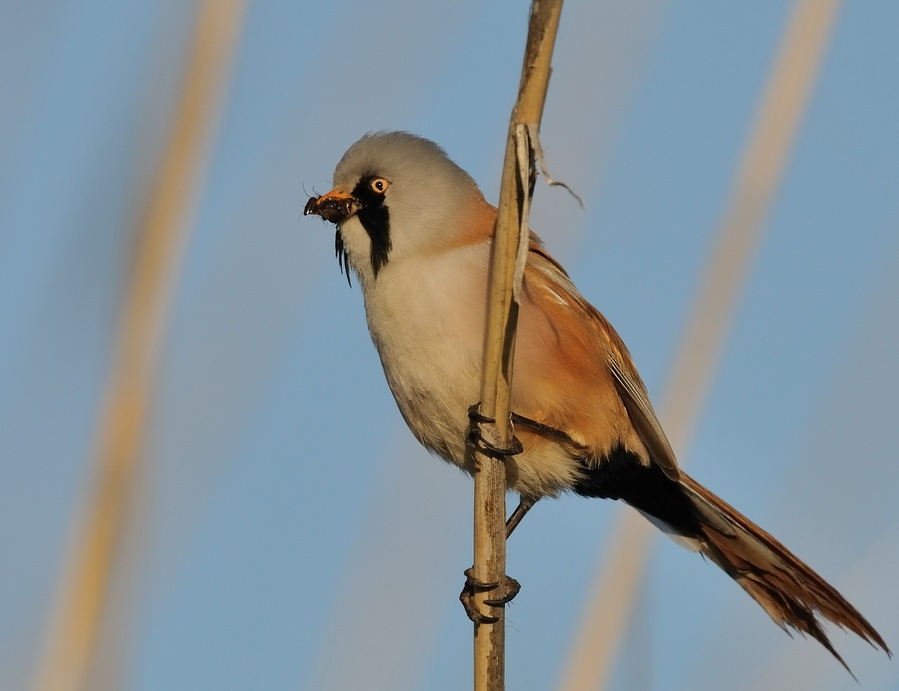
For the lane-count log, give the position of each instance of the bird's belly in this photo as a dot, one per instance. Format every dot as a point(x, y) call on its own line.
point(438, 417)
point(433, 382)
point(429, 335)
point(428, 329)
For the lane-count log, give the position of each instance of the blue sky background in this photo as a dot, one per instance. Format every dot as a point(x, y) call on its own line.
point(287, 532)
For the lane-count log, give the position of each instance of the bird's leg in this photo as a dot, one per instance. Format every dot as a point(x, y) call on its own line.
point(478, 423)
point(511, 586)
point(524, 505)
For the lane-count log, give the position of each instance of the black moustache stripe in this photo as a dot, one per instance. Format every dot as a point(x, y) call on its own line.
point(376, 221)
point(343, 261)
point(375, 218)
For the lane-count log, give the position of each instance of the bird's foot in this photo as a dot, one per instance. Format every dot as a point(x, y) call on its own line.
point(483, 435)
point(510, 588)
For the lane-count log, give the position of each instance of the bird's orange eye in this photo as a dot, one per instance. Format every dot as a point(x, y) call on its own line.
point(379, 185)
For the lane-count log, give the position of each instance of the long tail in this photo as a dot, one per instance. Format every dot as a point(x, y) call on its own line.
point(789, 591)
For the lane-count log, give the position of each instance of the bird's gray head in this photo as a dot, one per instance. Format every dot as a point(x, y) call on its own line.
point(395, 195)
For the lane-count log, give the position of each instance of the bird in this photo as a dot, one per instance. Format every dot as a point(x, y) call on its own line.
point(416, 231)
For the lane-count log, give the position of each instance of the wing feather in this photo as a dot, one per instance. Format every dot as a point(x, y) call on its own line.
point(583, 354)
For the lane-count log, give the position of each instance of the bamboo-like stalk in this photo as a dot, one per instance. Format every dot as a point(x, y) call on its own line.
point(614, 594)
point(70, 648)
point(499, 341)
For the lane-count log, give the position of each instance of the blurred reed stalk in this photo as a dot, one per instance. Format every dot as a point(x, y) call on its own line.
point(69, 655)
point(613, 598)
point(509, 250)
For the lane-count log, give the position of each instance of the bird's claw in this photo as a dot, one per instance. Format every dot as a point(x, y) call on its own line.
point(473, 585)
point(492, 447)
